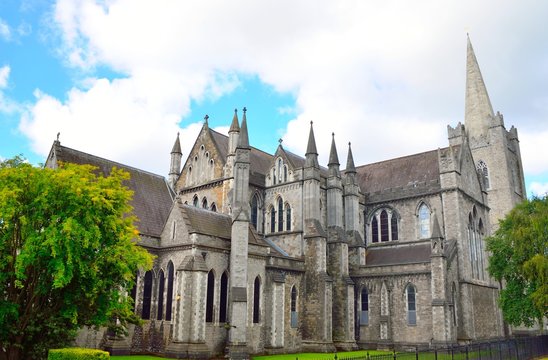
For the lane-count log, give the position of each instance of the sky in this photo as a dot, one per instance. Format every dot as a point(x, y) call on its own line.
point(120, 78)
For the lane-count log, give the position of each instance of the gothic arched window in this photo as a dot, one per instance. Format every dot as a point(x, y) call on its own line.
point(374, 230)
point(204, 203)
point(287, 217)
point(213, 207)
point(285, 173)
point(272, 219)
point(257, 300)
point(384, 226)
point(223, 303)
point(254, 210)
point(294, 316)
point(364, 313)
point(161, 286)
point(147, 296)
point(424, 221)
point(280, 215)
point(210, 296)
point(169, 300)
point(195, 201)
point(394, 227)
point(411, 305)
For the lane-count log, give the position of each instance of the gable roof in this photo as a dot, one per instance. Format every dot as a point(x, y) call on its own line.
point(419, 172)
point(152, 197)
point(259, 160)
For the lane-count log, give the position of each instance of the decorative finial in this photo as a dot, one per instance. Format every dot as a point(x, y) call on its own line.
point(58, 136)
point(177, 134)
point(206, 117)
point(333, 134)
point(245, 109)
point(280, 140)
point(349, 143)
point(235, 111)
point(311, 122)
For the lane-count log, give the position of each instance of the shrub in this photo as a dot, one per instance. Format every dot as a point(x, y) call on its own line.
point(77, 354)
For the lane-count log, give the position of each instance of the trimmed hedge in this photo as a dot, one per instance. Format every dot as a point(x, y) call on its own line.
point(77, 354)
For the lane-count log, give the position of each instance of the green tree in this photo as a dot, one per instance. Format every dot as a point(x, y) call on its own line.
point(519, 260)
point(67, 250)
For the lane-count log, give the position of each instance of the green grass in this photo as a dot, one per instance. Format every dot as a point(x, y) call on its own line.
point(319, 355)
point(134, 357)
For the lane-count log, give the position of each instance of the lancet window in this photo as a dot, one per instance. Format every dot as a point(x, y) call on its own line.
point(476, 233)
point(384, 225)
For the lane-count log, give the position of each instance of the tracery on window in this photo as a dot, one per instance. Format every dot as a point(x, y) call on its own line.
point(484, 172)
point(384, 225)
point(476, 233)
point(280, 216)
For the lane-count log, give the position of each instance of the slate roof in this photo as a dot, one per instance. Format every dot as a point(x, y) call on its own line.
point(152, 198)
point(260, 160)
point(414, 172)
point(398, 255)
point(206, 222)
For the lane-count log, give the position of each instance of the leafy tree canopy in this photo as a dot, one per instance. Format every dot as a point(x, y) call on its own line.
point(520, 259)
point(67, 252)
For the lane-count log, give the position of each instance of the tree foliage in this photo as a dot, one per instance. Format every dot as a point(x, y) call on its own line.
point(520, 261)
point(67, 252)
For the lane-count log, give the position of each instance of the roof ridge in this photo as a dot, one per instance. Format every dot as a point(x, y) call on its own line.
point(402, 157)
point(112, 161)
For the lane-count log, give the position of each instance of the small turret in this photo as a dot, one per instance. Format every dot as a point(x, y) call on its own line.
point(333, 164)
point(175, 167)
point(243, 140)
point(233, 133)
point(351, 195)
point(311, 152)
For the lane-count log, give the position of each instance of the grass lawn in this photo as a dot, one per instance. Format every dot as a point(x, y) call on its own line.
point(320, 355)
point(135, 357)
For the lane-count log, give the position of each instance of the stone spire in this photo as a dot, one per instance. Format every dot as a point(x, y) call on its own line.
point(436, 231)
point(311, 152)
point(233, 134)
point(235, 126)
point(333, 164)
point(175, 166)
point(350, 168)
point(478, 110)
point(243, 142)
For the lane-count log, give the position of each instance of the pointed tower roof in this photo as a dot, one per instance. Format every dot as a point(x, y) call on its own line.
point(333, 157)
point(350, 168)
point(235, 126)
point(311, 147)
point(478, 109)
point(243, 140)
point(436, 231)
point(177, 146)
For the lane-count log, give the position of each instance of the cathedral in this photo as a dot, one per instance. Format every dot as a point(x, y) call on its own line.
point(274, 253)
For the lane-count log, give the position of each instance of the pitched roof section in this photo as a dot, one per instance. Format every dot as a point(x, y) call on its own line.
point(385, 180)
point(207, 222)
point(398, 255)
point(152, 197)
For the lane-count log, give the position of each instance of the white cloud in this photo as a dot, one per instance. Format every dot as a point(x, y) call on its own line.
point(539, 189)
point(387, 76)
point(5, 31)
point(533, 146)
point(4, 75)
